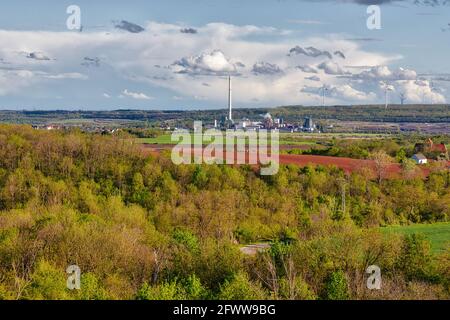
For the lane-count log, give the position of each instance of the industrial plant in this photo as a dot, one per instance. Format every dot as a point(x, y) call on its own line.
point(266, 121)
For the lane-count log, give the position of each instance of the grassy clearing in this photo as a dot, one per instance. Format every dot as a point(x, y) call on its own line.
point(166, 139)
point(292, 139)
point(162, 139)
point(437, 233)
point(285, 138)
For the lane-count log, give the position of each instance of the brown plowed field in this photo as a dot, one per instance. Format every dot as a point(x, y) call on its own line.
point(347, 164)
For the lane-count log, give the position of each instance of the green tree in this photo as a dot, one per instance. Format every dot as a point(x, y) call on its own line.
point(241, 288)
point(336, 287)
point(415, 260)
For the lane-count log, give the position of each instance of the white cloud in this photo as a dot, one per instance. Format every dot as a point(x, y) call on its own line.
point(37, 56)
point(307, 69)
point(14, 81)
point(347, 92)
point(186, 62)
point(400, 81)
point(266, 68)
point(309, 52)
point(313, 78)
point(418, 91)
point(340, 92)
point(214, 63)
point(136, 95)
point(68, 75)
point(330, 67)
point(384, 73)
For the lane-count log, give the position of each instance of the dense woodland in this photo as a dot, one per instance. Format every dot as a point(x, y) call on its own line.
point(140, 227)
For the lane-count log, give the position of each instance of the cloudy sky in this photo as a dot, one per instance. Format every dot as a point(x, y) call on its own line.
point(176, 54)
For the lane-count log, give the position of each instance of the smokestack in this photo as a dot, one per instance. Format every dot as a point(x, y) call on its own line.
point(229, 99)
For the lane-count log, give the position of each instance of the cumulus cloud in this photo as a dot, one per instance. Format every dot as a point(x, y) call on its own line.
point(68, 75)
point(266, 68)
point(399, 81)
point(418, 91)
point(128, 26)
point(189, 30)
point(313, 78)
point(384, 73)
point(164, 58)
point(339, 54)
point(347, 92)
point(91, 62)
point(332, 68)
point(310, 52)
point(136, 95)
point(37, 56)
point(214, 63)
point(14, 81)
point(307, 69)
point(340, 92)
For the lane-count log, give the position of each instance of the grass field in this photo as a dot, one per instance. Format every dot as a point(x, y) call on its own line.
point(437, 233)
point(166, 139)
point(162, 139)
point(285, 138)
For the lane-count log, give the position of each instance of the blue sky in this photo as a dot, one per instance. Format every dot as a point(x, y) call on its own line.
point(278, 52)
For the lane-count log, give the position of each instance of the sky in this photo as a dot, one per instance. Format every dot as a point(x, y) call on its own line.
point(177, 54)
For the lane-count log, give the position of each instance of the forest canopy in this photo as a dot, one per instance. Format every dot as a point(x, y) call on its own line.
point(140, 227)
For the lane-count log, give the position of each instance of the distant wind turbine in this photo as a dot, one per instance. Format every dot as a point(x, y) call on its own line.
point(387, 88)
point(324, 89)
point(402, 98)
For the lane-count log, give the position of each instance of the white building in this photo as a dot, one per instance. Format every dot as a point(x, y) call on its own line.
point(420, 158)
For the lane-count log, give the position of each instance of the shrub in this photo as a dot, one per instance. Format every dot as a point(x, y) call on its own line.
point(241, 288)
point(336, 286)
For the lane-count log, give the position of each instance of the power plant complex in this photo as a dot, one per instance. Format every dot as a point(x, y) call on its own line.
point(267, 122)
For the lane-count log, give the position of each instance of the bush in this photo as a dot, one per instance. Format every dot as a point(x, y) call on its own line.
point(164, 291)
point(415, 260)
point(299, 291)
point(90, 288)
point(47, 283)
point(241, 288)
point(336, 286)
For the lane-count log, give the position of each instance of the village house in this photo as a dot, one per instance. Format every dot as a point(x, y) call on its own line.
point(419, 158)
point(435, 151)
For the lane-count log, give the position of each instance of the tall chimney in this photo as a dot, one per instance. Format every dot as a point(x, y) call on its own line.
point(229, 99)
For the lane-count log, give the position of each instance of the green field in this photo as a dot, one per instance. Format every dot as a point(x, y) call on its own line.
point(285, 138)
point(166, 139)
point(162, 139)
point(437, 233)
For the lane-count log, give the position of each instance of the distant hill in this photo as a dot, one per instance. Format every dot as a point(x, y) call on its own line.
point(372, 113)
